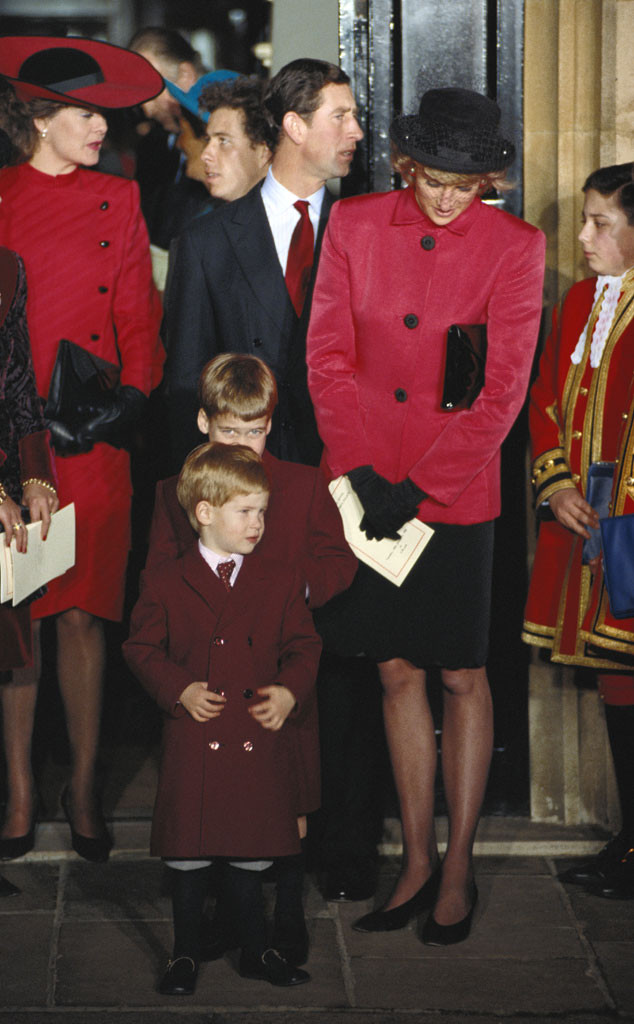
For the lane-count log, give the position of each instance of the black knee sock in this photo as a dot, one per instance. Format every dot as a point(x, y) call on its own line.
point(246, 900)
point(189, 890)
point(289, 908)
point(620, 723)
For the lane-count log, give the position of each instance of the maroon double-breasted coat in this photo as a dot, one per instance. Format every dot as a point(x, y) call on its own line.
point(390, 283)
point(227, 787)
point(303, 532)
point(86, 254)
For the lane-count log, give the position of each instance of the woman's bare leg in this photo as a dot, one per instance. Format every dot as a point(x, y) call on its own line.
point(410, 735)
point(18, 712)
point(80, 670)
point(467, 742)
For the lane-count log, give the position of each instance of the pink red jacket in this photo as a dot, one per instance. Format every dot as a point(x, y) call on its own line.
point(389, 285)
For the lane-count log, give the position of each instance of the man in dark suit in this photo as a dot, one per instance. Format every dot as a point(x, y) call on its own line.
point(226, 288)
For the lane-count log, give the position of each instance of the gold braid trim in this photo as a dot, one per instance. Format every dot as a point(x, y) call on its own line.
point(551, 473)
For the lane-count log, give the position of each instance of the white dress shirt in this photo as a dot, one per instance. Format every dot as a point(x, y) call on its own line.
point(282, 215)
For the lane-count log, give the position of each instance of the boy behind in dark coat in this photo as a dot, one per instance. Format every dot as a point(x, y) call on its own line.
point(227, 648)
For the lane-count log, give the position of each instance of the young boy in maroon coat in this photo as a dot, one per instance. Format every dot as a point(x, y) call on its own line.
point(227, 648)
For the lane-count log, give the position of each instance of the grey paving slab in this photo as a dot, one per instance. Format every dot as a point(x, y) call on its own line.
point(616, 961)
point(38, 885)
point(602, 920)
point(24, 956)
point(475, 985)
point(117, 890)
point(88, 1015)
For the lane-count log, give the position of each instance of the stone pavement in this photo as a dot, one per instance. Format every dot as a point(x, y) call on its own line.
point(85, 943)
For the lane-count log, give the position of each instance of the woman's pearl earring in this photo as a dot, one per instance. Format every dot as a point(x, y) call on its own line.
point(44, 133)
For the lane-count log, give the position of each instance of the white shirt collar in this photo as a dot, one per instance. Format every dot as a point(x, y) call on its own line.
point(278, 198)
point(213, 560)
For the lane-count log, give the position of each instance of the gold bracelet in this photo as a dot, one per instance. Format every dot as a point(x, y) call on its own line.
point(3, 494)
point(42, 483)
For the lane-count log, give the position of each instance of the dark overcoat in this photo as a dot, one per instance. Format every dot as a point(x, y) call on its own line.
point(226, 293)
point(227, 787)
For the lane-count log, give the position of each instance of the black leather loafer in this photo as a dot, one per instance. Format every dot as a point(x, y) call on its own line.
point(292, 946)
point(273, 968)
point(349, 882)
point(180, 977)
point(595, 870)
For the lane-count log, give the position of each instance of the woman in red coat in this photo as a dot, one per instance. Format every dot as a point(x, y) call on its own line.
point(396, 271)
point(85, 250)
point(581, 413)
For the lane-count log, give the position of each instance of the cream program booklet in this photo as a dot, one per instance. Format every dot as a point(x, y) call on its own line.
point(391, 558)
point(22, 574)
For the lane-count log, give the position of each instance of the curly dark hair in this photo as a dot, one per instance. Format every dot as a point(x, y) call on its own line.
point(17, 120)
point(245, 94)
point(617, 181)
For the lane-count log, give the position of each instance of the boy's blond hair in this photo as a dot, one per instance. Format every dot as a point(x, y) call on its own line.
point(217, 473)
point(234, 384)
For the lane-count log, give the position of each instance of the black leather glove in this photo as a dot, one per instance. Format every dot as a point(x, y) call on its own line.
point(387, 506)
point(66, 439)
point(113, 418)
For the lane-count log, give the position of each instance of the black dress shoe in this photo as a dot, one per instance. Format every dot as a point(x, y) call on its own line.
point(96, 849)
point(291, 945)
point(350, 882)
point(595, 870)
point(618, 882)
point(271, 967)
point(180, 977)
point(435, 934)
point(398, 917)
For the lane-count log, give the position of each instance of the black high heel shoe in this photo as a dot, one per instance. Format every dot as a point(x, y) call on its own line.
point(434, 934)
point(17, 846)
point(95, 849)
point(399, 917)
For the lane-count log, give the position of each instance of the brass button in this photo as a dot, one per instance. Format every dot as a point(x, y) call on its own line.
point(624, 415)
point(630, 481)
point(576, 434)
point(575, 478)
point(215, 745)
point(583, 391)
point(248, 746)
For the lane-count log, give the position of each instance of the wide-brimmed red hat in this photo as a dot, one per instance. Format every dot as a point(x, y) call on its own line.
point(79, 72)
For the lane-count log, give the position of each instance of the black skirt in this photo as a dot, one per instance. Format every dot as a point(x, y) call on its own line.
point(439, 616)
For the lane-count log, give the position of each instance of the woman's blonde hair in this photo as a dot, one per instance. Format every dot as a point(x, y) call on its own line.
point(410, 169)
point(217, 473)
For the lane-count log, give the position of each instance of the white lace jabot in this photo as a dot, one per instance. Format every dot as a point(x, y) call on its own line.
point(610, 288)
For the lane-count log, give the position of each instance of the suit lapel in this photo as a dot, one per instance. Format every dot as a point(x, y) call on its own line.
point(201, 579)
point(250, 236)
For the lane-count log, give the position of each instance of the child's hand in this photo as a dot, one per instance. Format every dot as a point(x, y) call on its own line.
point(201, 704)
point(273, 712)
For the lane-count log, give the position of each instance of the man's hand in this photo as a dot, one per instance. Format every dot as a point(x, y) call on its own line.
point(573, 511)
point(273, 712)
point(201, 704)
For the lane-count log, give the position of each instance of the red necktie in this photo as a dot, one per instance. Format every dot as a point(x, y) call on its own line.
point(224, 571)
point(300, 257)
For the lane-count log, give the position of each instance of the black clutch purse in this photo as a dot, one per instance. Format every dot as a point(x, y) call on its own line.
point(617, 538)
point(464, 365)
point(78, 382)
